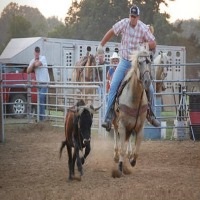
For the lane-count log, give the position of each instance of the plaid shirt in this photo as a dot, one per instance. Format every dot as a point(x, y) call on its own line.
point(131, 37)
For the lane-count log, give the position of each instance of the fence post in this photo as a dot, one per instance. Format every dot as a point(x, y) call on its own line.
point(1, 111)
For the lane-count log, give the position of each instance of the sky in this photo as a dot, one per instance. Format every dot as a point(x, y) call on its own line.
point(178, 9)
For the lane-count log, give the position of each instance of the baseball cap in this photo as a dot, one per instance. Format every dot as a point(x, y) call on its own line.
point(134, 10)
point(37, 49)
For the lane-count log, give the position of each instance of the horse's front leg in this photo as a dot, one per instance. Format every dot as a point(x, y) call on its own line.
point(138, 140)
point(116, 148)
point(122, 152)
point(129, 148)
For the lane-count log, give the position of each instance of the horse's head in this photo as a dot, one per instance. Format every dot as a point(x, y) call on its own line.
point(161, 62)
point(91, 61)
point(142, 65)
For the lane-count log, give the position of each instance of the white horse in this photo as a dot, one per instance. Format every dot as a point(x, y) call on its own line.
point(161, 61)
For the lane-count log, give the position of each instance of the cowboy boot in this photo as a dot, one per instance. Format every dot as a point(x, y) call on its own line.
point(152, 118)
point(150, 115)
point(107, 124)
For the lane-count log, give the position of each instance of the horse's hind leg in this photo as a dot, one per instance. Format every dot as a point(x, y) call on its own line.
point(129, 150)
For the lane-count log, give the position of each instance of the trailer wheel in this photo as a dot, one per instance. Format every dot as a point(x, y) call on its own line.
point(18, 106)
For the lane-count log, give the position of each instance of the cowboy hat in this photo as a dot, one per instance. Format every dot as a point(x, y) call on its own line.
point(115, 55)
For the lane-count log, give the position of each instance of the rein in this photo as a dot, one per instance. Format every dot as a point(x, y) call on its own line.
point(139, 109)
point(146, 71)
point(133, 112)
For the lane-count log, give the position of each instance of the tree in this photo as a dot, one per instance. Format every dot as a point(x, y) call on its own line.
point(14, 15)
point(53, 22)
point(162, 29)
point(19, 27)
point(90, 19)
point(6, 15)
point(188, 27)
point(59, 31)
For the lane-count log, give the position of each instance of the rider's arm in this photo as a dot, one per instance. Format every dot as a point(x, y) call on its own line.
point(107, 37)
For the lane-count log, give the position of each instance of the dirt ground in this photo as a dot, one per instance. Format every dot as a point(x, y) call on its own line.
point(31, 170)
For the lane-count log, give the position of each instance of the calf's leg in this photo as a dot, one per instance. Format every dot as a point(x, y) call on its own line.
point(70, 163)
point(87, 151)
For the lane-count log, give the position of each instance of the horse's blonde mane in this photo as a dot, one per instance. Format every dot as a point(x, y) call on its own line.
point(134, 59)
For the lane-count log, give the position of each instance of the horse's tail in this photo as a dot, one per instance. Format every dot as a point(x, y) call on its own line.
point(63, 144)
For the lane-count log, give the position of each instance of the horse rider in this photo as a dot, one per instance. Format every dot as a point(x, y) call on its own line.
point(133, 32)
point(114, 61)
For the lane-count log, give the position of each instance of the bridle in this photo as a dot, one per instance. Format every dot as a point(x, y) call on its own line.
point(142, 59)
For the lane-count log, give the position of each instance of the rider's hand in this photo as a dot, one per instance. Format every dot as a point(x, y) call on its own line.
point(100, 49)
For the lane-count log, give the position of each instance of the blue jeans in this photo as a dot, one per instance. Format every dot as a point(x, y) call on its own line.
point(42, 101)
point(119, 74)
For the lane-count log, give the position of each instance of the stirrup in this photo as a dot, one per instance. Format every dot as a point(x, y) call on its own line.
point(153, 121)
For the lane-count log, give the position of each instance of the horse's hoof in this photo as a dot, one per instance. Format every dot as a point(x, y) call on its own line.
point(126, 171)
point(116, 173)
point(132, 162)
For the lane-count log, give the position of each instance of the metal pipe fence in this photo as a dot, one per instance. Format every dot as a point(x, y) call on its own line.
point(62, 95)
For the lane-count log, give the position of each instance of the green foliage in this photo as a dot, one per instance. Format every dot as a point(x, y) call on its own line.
point(94, 18)
point(23, 21)
point(91, 19)
point(19, 27)
point(162, 28)
point(59, 31)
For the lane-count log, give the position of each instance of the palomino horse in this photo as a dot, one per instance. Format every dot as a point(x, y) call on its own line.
point(161, 71)
point(86, 73)
point(131, 110)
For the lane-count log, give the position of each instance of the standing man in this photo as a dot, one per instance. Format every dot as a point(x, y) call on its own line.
point(133, 32)
point(39, 65)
